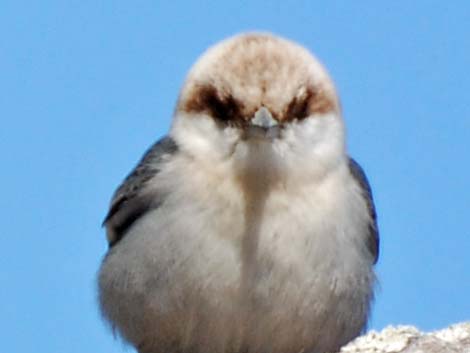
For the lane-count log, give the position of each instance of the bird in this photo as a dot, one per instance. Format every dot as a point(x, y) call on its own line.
point(248, 228)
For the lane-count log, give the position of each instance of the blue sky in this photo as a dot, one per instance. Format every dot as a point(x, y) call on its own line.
point(87, 86)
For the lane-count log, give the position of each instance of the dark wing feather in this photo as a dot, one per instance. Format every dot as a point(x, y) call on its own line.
point(128, 202)
point(373, 237)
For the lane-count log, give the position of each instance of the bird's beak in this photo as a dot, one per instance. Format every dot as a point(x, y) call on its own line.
point(263, 119)
point(263, 125)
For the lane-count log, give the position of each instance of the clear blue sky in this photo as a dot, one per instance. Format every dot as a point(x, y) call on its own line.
point(87, 86)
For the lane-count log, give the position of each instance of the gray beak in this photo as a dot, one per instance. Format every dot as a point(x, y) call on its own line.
point(263, 125)
point(263, 119)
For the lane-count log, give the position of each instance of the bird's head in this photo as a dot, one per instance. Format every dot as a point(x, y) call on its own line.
point(263, 103)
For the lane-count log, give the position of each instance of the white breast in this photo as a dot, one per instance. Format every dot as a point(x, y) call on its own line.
point(187, 273)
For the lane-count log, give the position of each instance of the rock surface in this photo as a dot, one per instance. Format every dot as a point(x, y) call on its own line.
point(408, 339)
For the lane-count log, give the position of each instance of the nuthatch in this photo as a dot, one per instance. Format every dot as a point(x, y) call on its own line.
point(248, 229)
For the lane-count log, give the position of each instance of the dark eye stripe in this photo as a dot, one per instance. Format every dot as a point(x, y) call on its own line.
point(207, 99)
point(313, 101)
point(298, 108)
point(226, 109)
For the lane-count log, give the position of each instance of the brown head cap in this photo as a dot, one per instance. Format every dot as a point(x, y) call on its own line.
point(233, 79)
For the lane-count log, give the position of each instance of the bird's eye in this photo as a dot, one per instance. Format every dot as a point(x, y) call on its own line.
point(207, 99)
point(313, 101)
point(299, 107)
point(224, 109)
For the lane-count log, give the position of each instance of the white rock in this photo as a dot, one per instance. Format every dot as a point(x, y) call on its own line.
point(408, 339)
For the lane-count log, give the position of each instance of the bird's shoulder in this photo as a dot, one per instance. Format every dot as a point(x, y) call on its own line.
point(360, 178)
point(129, 202)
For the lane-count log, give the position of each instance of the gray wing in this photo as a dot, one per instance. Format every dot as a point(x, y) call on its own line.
point(129, 203)
point(373, 231)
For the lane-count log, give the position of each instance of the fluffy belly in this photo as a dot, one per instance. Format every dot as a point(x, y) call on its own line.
point(292, 299)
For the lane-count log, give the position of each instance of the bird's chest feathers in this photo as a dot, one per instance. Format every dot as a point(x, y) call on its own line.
point(286, 224)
